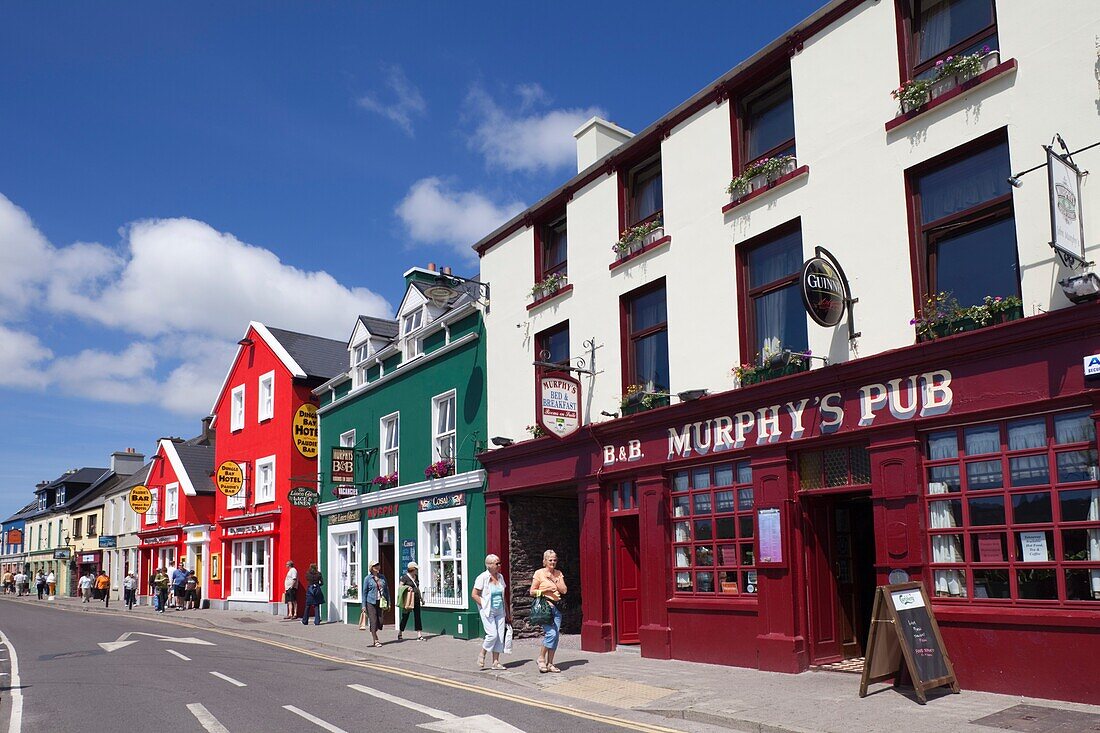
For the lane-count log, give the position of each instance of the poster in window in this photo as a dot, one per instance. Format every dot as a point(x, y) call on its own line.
point(770, 536)
point(1034, 546)
point(215, 566)
point(1066, 225)
point(990, 549)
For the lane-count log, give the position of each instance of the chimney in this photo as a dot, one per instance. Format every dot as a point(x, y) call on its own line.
point(596, 138)
point(431, 266)
point(447, 270)
point(126, 463)
point(207, 430)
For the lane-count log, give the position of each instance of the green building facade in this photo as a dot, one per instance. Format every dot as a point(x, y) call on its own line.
point(399, 432)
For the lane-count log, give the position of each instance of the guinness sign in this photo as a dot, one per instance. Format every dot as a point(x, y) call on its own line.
point(825, 292)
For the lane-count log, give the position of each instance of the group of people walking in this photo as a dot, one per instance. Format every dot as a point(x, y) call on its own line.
point(19, 583)
point(183, 583)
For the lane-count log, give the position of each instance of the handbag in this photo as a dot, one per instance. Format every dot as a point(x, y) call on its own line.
point(408, 602)
point(508, 638)
point(383, 604)
point(542, 613)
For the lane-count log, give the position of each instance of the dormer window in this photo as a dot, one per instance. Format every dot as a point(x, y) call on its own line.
point(359, 358)
point(61, 495)
point(410, 324)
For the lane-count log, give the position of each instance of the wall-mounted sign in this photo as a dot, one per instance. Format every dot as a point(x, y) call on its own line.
point(108, 541)
point(443, 501)
point(769, 534)
point(229, 478)
point(140, 499)
point(89, 557)
point(823, 291)
point(304, 430)
point(408, 554)
point(15, 537)
point(344, 517)
point(61, 554)
point(1092, 365)
point(385, 510)
point(559, 400)
point(345, 490)
point(1067, 228)
point(164, 539)
point(342, 470)
point(215, 566)
point(303, 496)
point(259, 528)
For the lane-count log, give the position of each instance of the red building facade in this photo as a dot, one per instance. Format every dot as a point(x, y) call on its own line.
point(761, 519)
point(265, 416)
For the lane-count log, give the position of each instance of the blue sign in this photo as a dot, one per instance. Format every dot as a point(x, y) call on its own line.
point(108, 541)
point(408, 554)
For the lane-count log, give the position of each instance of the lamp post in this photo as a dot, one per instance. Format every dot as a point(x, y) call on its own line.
point(67, 539)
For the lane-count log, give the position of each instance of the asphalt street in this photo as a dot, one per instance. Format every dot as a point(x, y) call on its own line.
point(158, 677)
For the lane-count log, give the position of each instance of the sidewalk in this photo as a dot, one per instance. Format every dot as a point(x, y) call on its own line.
point(730, 697)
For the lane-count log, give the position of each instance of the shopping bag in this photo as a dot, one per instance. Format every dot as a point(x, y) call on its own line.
point(541, 612)
point(363, 620)
point(508, 638)
point(383, 604)
point(402, 591)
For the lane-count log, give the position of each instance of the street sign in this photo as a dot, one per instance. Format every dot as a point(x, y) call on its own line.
point(303, 496)
point(229, 478)
point(140, 499)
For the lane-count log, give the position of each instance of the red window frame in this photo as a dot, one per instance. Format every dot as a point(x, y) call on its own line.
point(544, 236)
point(746, 304)
point(628, 182)
point(908, 19)
point(629, 367)
point(542, 337)
point(772, 90)
point(1011, 562)
point(694, 506)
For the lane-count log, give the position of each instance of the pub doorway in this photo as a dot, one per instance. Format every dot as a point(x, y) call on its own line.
point(548, 519)
point(840, 574)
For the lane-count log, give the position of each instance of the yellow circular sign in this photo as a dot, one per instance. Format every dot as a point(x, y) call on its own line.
point(305, 430)
point(140, 499)
point(229, 478)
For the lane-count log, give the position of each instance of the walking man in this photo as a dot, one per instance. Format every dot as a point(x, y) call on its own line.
point(85, 586)
point(160, 583)
point(129, 590)
point(9, 582)
point(179, 586)
point(290, 591)
point(40, 584)
point(51, 581)
point(20, 581)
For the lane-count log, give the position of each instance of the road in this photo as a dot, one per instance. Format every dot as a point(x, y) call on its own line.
point(87, 671)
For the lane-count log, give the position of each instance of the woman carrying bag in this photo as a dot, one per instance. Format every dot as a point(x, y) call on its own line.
point(314, 595)
point(496, 612)
point(411, 600)
point(375, 600)
point(547, 587)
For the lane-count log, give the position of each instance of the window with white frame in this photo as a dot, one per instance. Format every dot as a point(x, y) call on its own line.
point(171, 502)
point(443, 427)
point(237, 500)
point(391, 443)
point(443, 542)
point(61, 495)
point(265, 479)
point(410, 324)
point(347, 564)
point(266, 403)
point(151, 514)
point(250, 569)
point(236, 414)
point(359, 364)
point(347, 440)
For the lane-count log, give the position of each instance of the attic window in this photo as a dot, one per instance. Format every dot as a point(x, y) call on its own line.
point(359, 364)
point(410, 324)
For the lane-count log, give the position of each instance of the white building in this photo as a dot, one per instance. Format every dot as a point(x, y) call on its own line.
point(121, 523)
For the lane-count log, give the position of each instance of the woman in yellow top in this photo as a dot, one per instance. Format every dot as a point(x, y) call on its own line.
point(549, 582)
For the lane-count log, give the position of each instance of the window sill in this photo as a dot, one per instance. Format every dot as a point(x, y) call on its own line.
point(797, 173)
point(999, 615)
point(552, 296)
point(962, 89)
point(664, 241)
point(712, 604)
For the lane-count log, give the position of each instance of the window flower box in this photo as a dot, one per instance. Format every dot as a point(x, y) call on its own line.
point(637, 237)
point(384, 482)
point(439, 469)
point(760, 174)
point(548, 286)
point(943, 316)
point(949, 73)
point(638, 399)
point(772, 364)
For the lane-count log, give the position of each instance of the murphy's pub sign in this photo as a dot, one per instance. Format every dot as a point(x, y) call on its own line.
point(559, 398)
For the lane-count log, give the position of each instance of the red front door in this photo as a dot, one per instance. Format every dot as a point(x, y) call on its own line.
point(624, 530)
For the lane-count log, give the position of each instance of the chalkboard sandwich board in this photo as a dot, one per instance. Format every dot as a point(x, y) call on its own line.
point(906, 638)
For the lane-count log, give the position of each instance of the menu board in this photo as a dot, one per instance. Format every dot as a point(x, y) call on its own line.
point(769, 531)
point(905, 637)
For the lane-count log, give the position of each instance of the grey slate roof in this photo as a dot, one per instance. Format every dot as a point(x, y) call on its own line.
point(198, 462)
point(380, 327)
point(136, 478)
point(86, 476)
point(318, 357)
point(26, 511)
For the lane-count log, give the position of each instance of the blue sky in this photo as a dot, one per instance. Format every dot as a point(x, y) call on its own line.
point(169, 172)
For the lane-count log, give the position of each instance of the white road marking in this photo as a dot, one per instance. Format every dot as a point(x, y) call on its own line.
point(15, 721)
point(207, 720)
point(473, 724)
point(121, 642)
point(229, 679)
point(430, 712)
point(174, 653)
point(314, 719)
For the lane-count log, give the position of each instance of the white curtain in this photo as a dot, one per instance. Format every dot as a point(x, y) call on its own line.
point(945, 547)
point(1094, 542)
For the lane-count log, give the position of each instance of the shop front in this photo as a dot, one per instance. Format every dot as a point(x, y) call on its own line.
point(89, 562)
point(157, 549)
point(197, 544)
point(750, 528)
point(250, 545)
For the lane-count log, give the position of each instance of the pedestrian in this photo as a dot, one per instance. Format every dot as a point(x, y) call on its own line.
point(51, 581)
point(9, 582)
point(314, 595)
point(86, 585)
point(549, 583)
point(160, 583)
point(179, 587)
point(191, 591)
point(103, 587)
point(40, 584)
point(19, 578)
point(170, 571)
point(375, 599)
point(412, 601)
point(129, 590)
point(496, 613)
point(290, 591)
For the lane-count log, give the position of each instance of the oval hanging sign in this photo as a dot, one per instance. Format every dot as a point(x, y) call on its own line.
point(140, 499)
point(559, 405)
point(305, 430)
point(229, 478)
point(823, 291)
point(302, 496)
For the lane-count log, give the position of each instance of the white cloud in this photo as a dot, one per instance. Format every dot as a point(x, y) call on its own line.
point(24, 258)
point(126, 377)
point(406, 103)
point(434, 213)
point(525, 140)
point(22, 357)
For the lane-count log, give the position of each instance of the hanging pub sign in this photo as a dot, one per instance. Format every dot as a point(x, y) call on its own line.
point(825, 291)
point(559, 400)
point(305, 430)
point(302, 496)
point(1067, 228)
point(229, 478)
point(140, 499)
point(15, 537)
point(62, 554)
point(342, 470)
point(108, 540)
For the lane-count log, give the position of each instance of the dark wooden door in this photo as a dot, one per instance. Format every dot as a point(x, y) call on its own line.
point(821, 584)
point(627, 586)
point(385, 556)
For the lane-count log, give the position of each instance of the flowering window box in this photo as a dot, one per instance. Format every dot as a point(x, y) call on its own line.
point(963, 324)
point(793, 175)
point(643, 405)
point(954, 85)
point(551, 295)
point(761, 174)
point(763, 374)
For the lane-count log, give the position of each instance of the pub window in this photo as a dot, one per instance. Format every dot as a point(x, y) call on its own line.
point(553, 345)
point(1014, 510)
point(775, 314)
point(965, 226)
point(834, 467)
point(769, 122)
point(714, 527)
point(553, 255)
point(941, 28)
point(644, 193)
point(646, 339)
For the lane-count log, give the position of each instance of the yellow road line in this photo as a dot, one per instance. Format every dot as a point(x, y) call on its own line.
point(423, 677)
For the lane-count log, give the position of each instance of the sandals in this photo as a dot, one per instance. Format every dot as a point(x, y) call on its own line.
point(377, 643)
point(399, 638)
point(421, 638)
point(498, 667)
point(554, 669)
point(542, 667)
point(481, 661)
